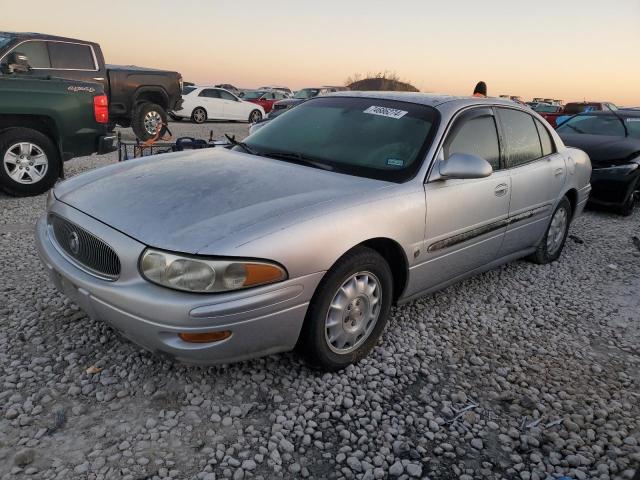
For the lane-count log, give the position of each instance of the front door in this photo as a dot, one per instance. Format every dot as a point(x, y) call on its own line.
point(466, 218)
point(537, 177)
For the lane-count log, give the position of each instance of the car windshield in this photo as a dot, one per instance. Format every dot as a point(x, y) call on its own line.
point(575, 108)
point(253, 95)
point(593, 125)
point(547, 109)
point(307, 93)
point(373, 138)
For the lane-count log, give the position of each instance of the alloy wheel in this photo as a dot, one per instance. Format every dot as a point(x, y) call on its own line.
point(25, 163)
point(557, 230)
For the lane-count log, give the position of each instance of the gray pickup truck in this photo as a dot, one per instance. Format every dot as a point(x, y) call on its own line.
point(138, 97)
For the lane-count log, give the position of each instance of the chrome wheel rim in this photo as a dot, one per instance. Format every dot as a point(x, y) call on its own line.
point(25, 163)
point(255, 116)
point(353, 312)
point(557, 229)
point(151, 122)
point(199, 115)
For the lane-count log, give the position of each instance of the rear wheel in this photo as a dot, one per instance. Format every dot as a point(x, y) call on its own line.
point(147, 119)
point(30, 162)
point(255, 116)
point(349, 310)
point(199, 115)
point(554, 239)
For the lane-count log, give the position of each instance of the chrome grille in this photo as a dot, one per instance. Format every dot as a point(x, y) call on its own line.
point(87, 250)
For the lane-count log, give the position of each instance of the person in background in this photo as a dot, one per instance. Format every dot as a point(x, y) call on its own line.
point(480, 90)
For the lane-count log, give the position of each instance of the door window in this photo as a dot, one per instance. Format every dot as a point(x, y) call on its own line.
point(477, 136)
point(210, 93)
point(545, 139)
point(521, 134)
point(71, 56)
point(226, 95)
point(36, 53)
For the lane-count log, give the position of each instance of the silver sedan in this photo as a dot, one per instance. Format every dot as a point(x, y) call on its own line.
point(307, 233)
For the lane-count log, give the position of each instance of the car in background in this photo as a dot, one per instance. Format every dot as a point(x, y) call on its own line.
point(140, 98)
point(299, 97)
point(231, 88)
point(612, 141)
point(264, 98)
point(574, 108)
point(44, 122)
point(210, 103)
point(308, 232)
point(286, 90)
point(543, 108)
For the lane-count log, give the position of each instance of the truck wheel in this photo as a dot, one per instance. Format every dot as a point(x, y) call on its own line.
point(30, 162)
point(146, 118)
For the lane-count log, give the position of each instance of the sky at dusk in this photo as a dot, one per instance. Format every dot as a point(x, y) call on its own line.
point(566, 49)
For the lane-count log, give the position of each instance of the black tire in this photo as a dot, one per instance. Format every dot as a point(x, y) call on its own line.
point(630, 203)
point(255, 116)
point(542, 255)
point(141, 114)
point(199, 115)
point(313, 343)
point(50, 170)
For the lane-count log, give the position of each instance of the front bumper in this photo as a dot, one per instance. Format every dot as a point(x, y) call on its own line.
point(612, 186)
point(262, 320)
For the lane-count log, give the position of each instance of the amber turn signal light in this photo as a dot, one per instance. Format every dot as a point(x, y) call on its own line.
point(260, 273)
point(205, 337)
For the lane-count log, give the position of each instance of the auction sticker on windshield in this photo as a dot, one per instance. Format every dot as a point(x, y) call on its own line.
point(385, 112)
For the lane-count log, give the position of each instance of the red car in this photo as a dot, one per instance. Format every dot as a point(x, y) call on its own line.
point(575, 108)
point(264, 98)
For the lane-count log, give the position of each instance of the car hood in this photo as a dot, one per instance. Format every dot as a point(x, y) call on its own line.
point(604, 150)
point(187, 201)
point(290, 101)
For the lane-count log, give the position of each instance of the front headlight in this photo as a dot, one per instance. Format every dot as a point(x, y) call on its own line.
point(192, 274)
point(51, 198)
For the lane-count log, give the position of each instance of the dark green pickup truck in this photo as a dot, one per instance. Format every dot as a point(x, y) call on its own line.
point(45, 122)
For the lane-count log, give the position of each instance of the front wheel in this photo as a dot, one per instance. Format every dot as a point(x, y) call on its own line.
point(199, 115)
point(348, 311)
point(30, 162)
point(255, 116)
point(148, 119)
point(554, 239)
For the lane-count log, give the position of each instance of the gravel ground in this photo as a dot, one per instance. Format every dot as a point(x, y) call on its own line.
point(525, 372)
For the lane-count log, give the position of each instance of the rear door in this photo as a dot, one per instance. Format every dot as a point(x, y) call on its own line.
point(466, 218)
point(538, 174)
point(209, 98)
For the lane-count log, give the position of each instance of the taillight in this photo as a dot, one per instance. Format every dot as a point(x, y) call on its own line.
point(101, 108)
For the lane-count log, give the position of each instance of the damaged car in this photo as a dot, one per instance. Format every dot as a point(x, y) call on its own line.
point(612, 141)
point(305, 234)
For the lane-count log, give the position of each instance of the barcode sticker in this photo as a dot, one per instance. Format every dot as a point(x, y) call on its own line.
point(386, 112)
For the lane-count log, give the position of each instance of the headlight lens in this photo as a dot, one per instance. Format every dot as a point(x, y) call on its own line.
point(193, 274)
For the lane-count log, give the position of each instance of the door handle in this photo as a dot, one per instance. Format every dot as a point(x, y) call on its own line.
point(558, 171)
point(501, 190)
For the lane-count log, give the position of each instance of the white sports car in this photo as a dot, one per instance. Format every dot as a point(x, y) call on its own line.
point(209, 103)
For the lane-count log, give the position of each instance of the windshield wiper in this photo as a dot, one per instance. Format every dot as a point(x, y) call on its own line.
point(298, 158)
point(242, 145)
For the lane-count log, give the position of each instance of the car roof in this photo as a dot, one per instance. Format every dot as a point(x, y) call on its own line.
point(429, 99)
point(43, 36)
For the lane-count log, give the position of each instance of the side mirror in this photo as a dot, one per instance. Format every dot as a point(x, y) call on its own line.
point(18, 63)
point(462, 165)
